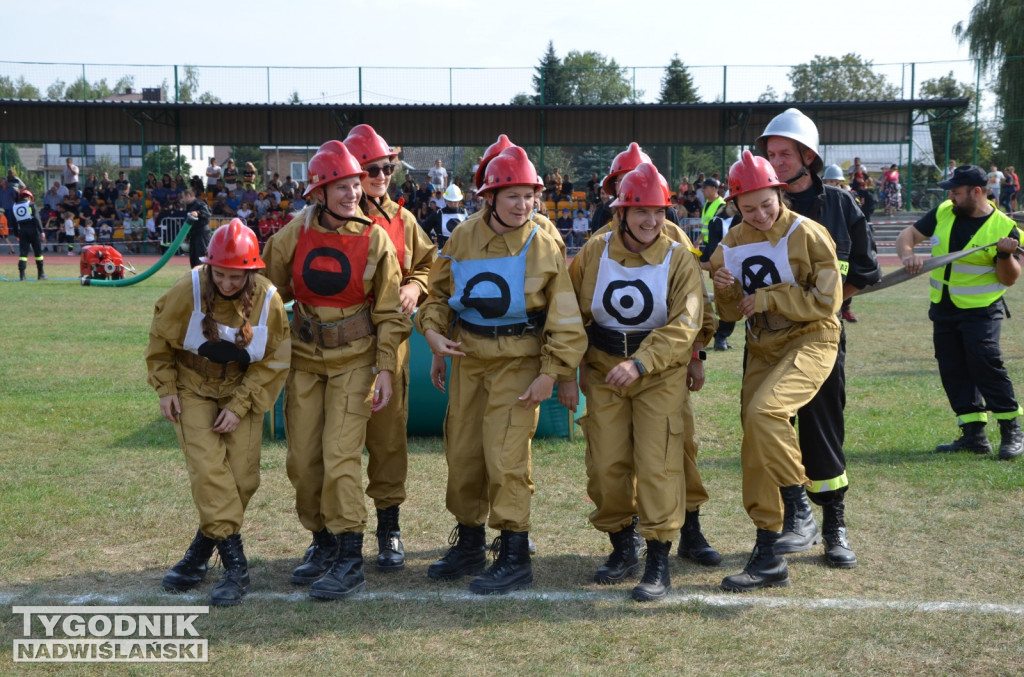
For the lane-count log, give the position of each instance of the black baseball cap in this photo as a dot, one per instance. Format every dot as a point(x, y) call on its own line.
point(713, 183)
point(965, 175)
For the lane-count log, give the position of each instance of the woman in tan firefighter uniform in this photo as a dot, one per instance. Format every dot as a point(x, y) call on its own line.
point(692, 543)
point(386, 437)
point(502, 307)
point(779, 272)
point(218, 355)
point(641, 298)
point(347, 325)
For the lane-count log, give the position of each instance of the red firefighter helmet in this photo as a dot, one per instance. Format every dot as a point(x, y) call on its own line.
point(234, 246)
point(26, 194)
point(643, 187)
point(332, 162)
point(510, 168)
point(626, 161)
point(366, 145)
point(492, 152)
point(751, 173)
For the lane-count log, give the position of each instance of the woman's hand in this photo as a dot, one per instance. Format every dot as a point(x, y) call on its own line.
point(170, 407)
point(409, 294)
point(538, 391)
point(227, 422)
point(623, 374)
point(568, 395)
point(723, 278)
point(746, 306)
point(381, 391)
point(695, 375)
point(441, 346)
point(438, 372)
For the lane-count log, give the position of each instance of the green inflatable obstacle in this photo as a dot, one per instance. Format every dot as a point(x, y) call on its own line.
point(427, 404)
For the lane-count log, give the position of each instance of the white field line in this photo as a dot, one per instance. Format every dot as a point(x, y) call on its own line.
point(673, 599)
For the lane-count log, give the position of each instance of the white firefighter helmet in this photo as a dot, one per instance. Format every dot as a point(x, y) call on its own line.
point(453, 194)
point(833, 172)
point(793, 124)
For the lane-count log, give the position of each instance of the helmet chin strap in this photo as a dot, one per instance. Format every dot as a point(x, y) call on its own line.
point(341, 218)
point(625, 228)
point(799, 175)
point(378, 203)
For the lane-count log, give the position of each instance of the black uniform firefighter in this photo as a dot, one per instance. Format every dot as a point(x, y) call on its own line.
point(347, 325)
point(502, 307)
point(642, 300)
point(29, 231)
point(790, 142)
point(218, 354)
point(779, 271)
point(692, 543)
point(386, 439)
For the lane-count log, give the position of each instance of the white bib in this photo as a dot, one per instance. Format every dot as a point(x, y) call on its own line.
point(631, 299)
point(760, 264)
point(194, 336)
point(449, 221)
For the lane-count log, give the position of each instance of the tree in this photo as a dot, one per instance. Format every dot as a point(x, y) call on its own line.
point(994, 38)
point(550, 79)
point(592, 78)
point(677, 84)
point(188, 86)
point(961, 131)
point(17, 89)
point(768, 95)
point(159, 160)
point(677, 87)
point(848, 78)
point(294, 97)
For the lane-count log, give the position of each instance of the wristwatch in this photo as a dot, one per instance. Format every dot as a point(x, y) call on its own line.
point(699, 355)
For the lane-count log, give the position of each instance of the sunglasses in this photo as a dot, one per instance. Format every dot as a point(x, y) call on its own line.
point(374, 170)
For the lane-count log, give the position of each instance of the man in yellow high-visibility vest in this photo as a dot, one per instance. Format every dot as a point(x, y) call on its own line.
point(967, 308)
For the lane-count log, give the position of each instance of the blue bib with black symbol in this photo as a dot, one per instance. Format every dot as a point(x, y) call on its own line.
point(490, 292)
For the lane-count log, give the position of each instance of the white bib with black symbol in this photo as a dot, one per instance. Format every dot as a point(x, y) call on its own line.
point(449, 221)
point(23, 211)
point(631, 299)
point(760, 264)
point(194, 338)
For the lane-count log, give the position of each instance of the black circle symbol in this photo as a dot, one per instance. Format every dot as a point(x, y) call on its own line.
point(331, 273)
point(621, 295)
point(758, 272)
point(493, 298)
point(22, 211)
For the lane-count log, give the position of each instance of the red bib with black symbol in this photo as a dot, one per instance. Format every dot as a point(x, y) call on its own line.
point(328, 268)
point(395, 228)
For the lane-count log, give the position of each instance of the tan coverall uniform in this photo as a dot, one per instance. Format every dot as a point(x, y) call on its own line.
point(696, 493)
point(330, 390)
point(785, 365)
point(223, 469)
point(387, 440)
point(635, 451)
point(487, 429)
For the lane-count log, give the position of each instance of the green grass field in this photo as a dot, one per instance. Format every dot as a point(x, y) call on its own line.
point(95, 505)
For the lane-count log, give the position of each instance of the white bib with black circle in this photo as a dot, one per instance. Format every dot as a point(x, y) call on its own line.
point(760, 264)
point(194, 338)
point(631, 299)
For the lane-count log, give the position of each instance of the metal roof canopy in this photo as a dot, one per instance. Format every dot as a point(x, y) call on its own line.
point(100, 122)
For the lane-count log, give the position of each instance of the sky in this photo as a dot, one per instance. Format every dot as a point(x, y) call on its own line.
point(747, 36)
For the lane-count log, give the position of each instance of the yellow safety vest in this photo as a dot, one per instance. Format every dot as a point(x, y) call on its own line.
point(710, 209)
point(972, 280)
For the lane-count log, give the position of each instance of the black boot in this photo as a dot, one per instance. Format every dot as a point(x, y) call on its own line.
point(391, 552)
point(721, 343)
point(346, 576)
point(972, 438)
point(623, 561)
point(191, 569)
point(641, 544)
point(511, 570)
point(39, 271)
point(765, 568)
point(693, 545)
point(21, 269)
point(838, 552)
point(799, 530)
point(656, 582)
point(234, 585)
point(319, 558)
point(467, 555)
point(1011, 442)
